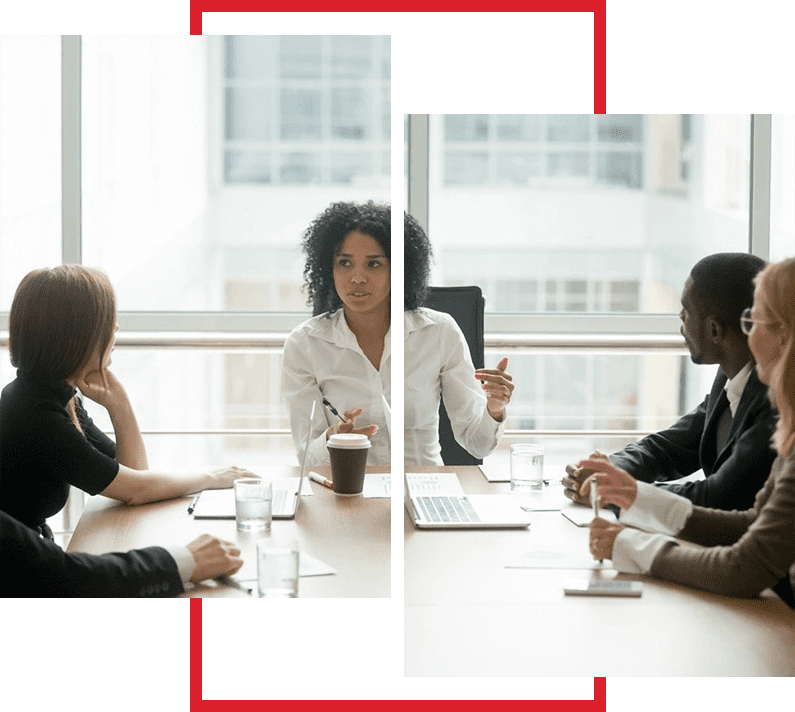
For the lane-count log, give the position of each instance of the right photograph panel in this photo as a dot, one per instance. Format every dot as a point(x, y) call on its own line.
point(585, 419)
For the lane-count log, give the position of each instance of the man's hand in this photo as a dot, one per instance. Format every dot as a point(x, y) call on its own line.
point(575, 476)
point(214, 558)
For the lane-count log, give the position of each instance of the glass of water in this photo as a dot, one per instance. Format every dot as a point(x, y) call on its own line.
point(527, 473)
point(277, 568)
point(253, 498)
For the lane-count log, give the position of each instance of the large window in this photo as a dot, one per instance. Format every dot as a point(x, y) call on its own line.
point(201, 162)
point(588, 226)
point(30, 158)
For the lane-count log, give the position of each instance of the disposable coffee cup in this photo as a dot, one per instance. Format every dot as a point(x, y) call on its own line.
point(348, 454)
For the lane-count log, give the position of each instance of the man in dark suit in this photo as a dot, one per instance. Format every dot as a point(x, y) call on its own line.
point(33, 566)
point(728, 435)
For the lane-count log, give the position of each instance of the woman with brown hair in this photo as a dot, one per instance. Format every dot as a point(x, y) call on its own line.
point(737, 553)
point(62, 328)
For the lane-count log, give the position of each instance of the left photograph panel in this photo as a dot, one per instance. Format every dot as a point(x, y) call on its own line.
point(195, 344)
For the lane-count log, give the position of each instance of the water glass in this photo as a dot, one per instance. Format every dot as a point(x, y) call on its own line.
point(277, 569)
point(253, 498)
point(527, 473)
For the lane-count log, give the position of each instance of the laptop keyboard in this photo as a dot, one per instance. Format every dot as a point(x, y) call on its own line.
point(448, 509)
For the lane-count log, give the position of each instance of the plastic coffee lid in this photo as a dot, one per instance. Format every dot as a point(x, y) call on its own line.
point(352, 441)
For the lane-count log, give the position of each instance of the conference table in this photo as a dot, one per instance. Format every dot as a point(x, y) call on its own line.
point(350, 534)
point(468, 614)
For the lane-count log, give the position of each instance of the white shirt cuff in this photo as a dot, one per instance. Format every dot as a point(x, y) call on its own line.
point(185, 562)
point(634, 550)
point(657, 510)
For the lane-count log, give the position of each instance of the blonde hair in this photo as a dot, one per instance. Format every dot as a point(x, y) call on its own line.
point(775, 301)
point(59, 319)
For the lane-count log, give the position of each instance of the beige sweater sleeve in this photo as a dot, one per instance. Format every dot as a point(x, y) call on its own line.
point(737, 553)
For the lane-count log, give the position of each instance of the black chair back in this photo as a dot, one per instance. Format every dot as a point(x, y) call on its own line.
point(466, 305)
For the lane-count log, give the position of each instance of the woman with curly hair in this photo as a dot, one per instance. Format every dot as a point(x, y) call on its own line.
point(62, 330)
point(737, 553)
point(343, 352)
point(438, 363)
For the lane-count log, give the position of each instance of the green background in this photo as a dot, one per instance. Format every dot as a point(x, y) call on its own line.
point(673, 57)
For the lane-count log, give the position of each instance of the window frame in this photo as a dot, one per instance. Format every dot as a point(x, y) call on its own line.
point(553, 330)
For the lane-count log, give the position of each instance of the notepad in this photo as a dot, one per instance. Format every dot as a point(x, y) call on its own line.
point(583, 516)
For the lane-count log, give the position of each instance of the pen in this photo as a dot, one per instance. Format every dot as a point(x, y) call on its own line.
point(595, 501)
point(193, 503)
point(333, 410)
point(315, 477)
point(236, 584)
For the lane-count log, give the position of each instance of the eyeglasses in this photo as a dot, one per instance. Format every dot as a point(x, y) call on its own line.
point(747, 323)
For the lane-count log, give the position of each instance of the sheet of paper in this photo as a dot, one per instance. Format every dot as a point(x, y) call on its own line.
point(583, 516)
point(378, 486)
point(551, 558)
point(549, 499)
point(307, 566)
point(292, 483)
point(220, 504)
point(495, 472)
point(434, 484)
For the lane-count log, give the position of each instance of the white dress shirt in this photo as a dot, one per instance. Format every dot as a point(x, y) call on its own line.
point(438, 363)
point(322, 359)
point(734, 387)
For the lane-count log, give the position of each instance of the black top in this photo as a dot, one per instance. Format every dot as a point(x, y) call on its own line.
point(735, 474)
point(42, 452)
point(33, 566)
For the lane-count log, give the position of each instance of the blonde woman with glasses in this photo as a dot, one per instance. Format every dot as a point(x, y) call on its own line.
point(736, 553)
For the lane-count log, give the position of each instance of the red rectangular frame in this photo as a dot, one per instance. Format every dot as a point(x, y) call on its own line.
point(598, 8)
point(198, 704)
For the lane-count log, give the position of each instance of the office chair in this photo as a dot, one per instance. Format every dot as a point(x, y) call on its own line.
point(466, 306)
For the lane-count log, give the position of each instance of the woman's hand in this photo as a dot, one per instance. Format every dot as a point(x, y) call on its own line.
point(349, 425)
point(615, 486)
point(603, 536)
point(498, 387)
point(224, 477)
point(108, 394)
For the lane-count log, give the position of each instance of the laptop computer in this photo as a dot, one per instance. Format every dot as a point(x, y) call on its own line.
point(437, 501)
point(220, 504)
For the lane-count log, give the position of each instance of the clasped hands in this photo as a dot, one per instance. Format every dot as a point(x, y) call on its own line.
point(616, 486)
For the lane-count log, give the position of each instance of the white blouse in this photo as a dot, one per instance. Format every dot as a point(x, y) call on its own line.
point(437, 363)
point(656, 514)
point(322, 359)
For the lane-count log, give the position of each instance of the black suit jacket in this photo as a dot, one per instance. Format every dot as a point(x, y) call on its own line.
point(32, 566)
point(735, 474)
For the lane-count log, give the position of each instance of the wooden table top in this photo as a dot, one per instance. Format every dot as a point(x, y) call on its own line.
point(467, 614)
point(350, 534)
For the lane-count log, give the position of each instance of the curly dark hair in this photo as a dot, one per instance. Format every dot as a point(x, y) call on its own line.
point(324, 236)
point(416, 263)
point(322, 239)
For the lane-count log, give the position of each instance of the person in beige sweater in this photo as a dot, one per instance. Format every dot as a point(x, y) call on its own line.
point(736, 553)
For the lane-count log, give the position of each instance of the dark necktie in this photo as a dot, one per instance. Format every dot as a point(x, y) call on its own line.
point(722, 430)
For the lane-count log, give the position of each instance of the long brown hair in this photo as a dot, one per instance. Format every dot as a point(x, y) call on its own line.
point(775, 300)
point(59, 318)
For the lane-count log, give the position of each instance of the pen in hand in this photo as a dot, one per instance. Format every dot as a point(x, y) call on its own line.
point(595, 501)
point(333, 410)
point(193, 503)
